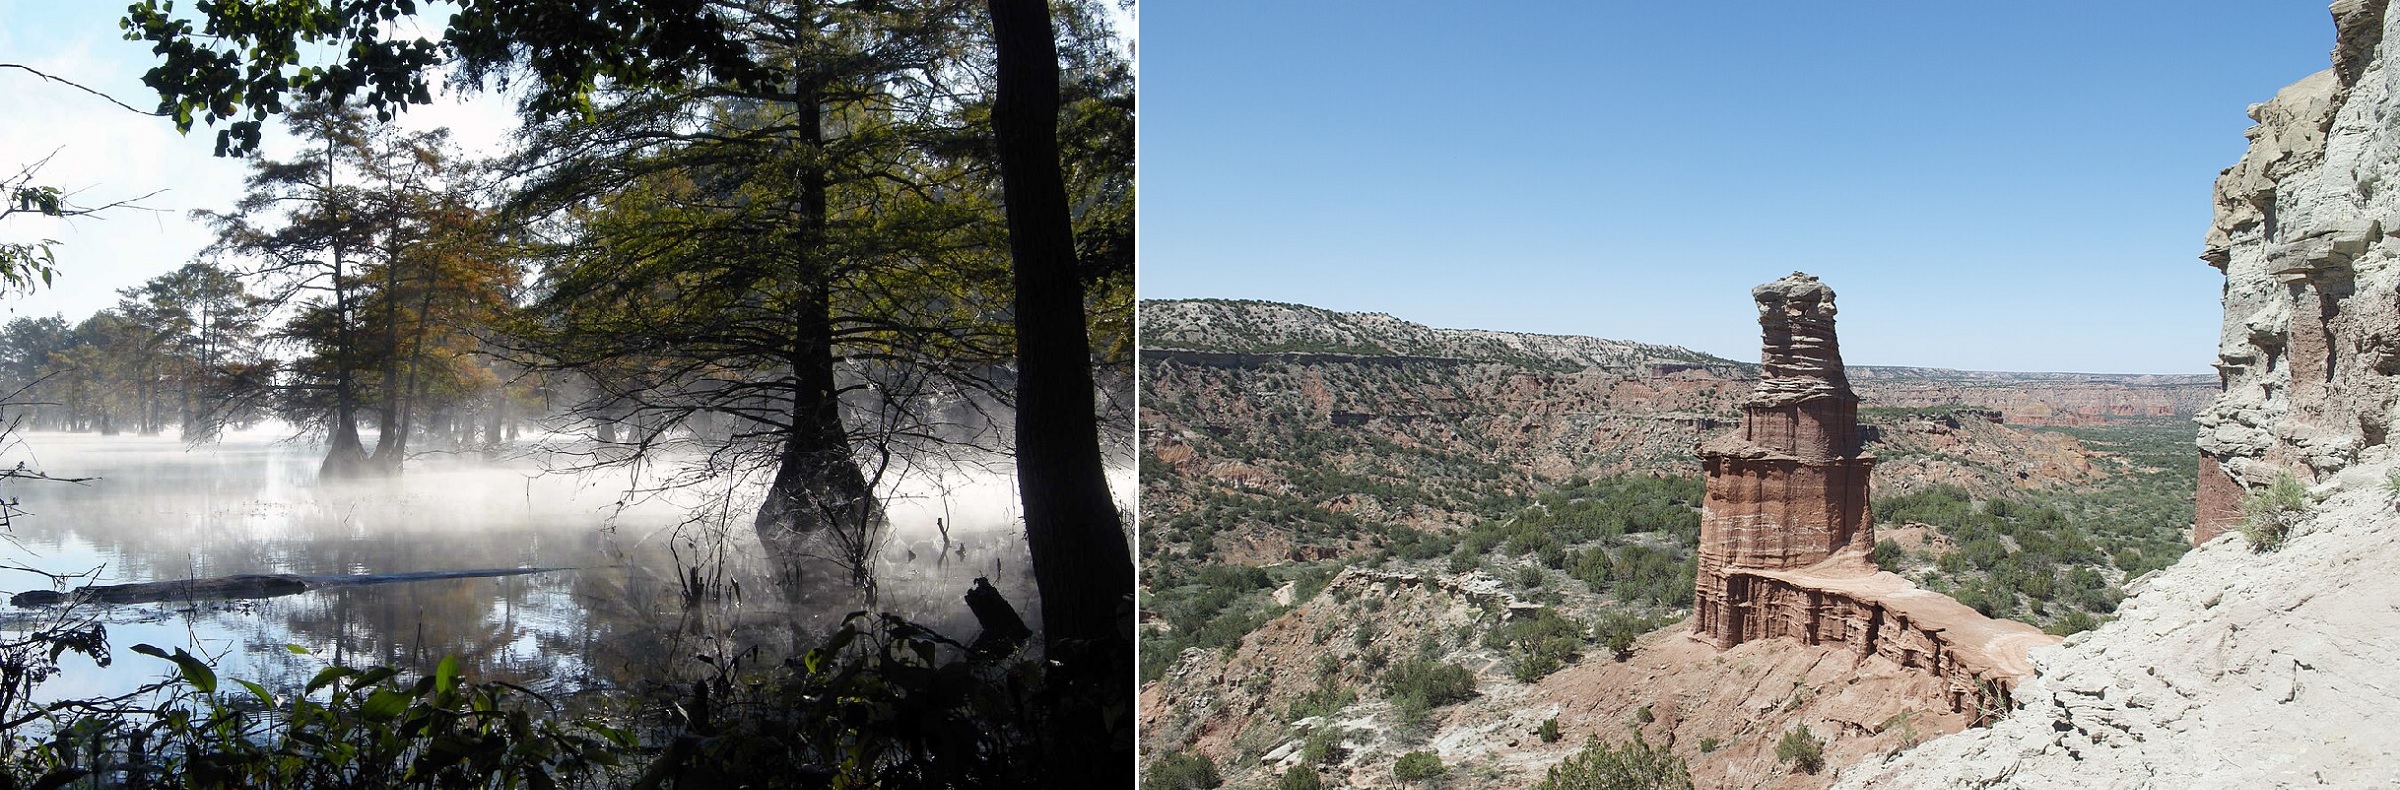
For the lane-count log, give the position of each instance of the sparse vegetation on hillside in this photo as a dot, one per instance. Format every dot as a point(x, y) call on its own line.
point(2057, 558)
point(1419, 685)
point(1330, 695)
point(1573, 491)
point(1247, 326)
point(1803, 749)
point(1619, 629)
point(2269, 515)
point(1213, 605)
point(1418, 766)
point(1633, 766)
point(1539, 645)
point(1630, 538)
point(1182, 771)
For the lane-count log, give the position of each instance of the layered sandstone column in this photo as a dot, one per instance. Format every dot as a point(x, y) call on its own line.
point(1789, 488)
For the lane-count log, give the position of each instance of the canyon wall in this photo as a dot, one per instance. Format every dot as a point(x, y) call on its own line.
point(2243, 666)
point(2039, 399)
point(2307, 237)
point(1248, 335)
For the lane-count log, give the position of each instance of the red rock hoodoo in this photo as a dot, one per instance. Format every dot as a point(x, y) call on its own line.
point(1785, 533)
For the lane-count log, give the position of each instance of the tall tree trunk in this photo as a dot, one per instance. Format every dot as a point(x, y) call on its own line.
point(347, 456)
point(1080, 558)
point(391, 440)
point(406, 416)
point(148, 413)
point(818, 494)
point(496, 415)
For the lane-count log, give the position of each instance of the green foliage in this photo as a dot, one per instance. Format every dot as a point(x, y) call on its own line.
point(1182, 771)
point(1802, 749)
point(2044, 557)
point(1531, 578)
point(1421, 684)
point(1322, 747)
point(2269, 515)
point(1321, 701)
point(1549, 730)
point(1618, 630)
point(25, 266)
point(2073, 623)
point(1300, 777)
point(1710, 744)
point(1537, 646)
point(876, 704)
point(1888, 554)
point(1329, 695)
point(348, 728)
point(1417, 766)
point(1211, 605)
point(1633, 766)
point(872, 705)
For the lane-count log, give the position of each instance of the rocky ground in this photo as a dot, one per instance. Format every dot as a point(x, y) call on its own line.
point(2234, 668)
point(1721, 711)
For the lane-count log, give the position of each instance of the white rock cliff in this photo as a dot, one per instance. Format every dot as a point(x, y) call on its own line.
point(2238, 668)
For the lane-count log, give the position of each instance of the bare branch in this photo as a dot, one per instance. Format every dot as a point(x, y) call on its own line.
point(72, 84)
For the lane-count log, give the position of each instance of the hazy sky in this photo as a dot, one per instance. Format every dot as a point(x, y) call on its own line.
point(2012, 186)
point(105, 153)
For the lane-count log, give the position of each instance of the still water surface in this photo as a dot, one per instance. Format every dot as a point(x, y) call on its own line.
point(159, 511)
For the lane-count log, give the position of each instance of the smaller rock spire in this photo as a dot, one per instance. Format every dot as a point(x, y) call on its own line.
point(1802, 359)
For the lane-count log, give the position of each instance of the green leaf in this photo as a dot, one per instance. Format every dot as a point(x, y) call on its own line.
point(296, 650)
point(445, 675)
point(324, 676)
point(194, 671)
point(258, 691)
point(383, 705)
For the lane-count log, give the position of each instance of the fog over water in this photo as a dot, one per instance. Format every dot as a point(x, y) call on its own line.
point(158, 510)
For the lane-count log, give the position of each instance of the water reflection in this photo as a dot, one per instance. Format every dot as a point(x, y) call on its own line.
point(159, 511)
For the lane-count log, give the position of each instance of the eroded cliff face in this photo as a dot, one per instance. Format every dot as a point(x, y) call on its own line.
point(2237, 667)
point(1785, 530)
point(2308, 236)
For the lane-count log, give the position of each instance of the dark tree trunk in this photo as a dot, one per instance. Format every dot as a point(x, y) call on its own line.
point(498, 416)
point(348, 456)
point(1080, 559)
point(149, 395)
point(818, 493)
point(391, 441)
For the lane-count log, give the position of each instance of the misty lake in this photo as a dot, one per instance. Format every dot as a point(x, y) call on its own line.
point(156, 510)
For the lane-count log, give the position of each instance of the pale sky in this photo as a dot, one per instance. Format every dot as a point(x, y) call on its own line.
point(104, 153)
point(1999, 185)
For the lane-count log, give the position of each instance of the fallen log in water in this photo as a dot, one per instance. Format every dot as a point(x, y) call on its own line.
point(248, 585)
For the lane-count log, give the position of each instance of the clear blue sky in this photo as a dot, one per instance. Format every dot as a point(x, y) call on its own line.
point(1999, 186)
